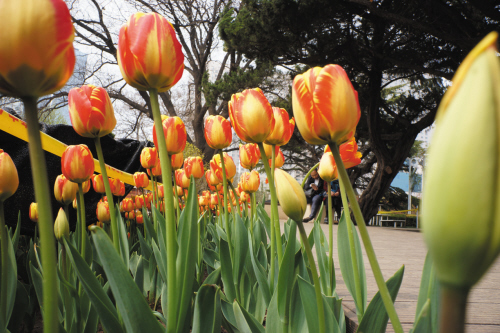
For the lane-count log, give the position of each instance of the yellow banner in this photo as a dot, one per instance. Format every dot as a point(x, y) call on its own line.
point(16, 127)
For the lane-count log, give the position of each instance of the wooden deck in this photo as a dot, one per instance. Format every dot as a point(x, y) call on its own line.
point(396, 247)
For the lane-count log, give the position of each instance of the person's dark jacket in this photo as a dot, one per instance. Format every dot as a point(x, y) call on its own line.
point(310, 181)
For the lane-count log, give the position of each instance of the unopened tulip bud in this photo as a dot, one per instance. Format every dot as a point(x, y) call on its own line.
point(128, 204)
point(102, 212)
point(64, 190)
point(290, 195)
point(250, 181)
point(175, 135)
point(249, 155)
point(327, 168)
point(75, 204)
point(34, 212)
point(463, 234)
point(181, 179)
point(138, 217)
point(61, 226)
point(139, 201)
point(9, 180)
point(161, 191)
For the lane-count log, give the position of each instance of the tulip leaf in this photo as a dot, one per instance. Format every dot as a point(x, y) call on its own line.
point(226, 271)
point(322, 258)
point(122, 237)
point(298, 322)
point(11, 275)
point(264, 218)
point(245, 322)
point(94, 290)
point(240, 248)
point(260, 274)
point(207, 310)
point(135, 311)
point(21, 305)
point(423, 321)
point(345, 262)
point(186, 255)
point(375, 318)
point(273, 321)
point(214, 277)
point(286, 275)
point(429, 290)
point(160, 261)
point(149, 230)
point(146, 250)
point(17, 233)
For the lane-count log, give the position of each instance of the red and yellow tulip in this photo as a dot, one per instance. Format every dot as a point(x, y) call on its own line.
point(283, 128)
point(181, 179)
point(102, 212)
point(251, 115)
point(141, 179)
point(218, 132)
point(175, 135)
point(128, 204)
point(216, 166)
point(36, 48)
point(9, 179)
point(325, 105)
point(65, 190)
point(194, 166)
point(98, 184)
point(149, 54)
point(177, 160)
point(250, 181)
point(77, 163)
point(149, 158)
point(249, 155)
point(91, 111)
point(34, 212)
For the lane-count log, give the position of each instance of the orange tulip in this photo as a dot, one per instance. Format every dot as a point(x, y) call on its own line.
point(216, 166)
point(177, 160)
point(9, 180)
point(283, 128)
point(149, 158)
point(139, 201)
point(116, 187)
point(279, 160)
point(161, 191)
point(36, 48)
point(211, 179)
point(65, 190)
point(98, 184)
point(130, 215)
point(194, 166)
point(251, 115)
point(325, 105)
point(85, 186)
point(181, 179)
point(128, 204)
point(102, 212)
point(34, 212)
point(250, 181)
point(214, 200)
point(91, 111)
point(218, 132)
point(138, 217)
point(175, 135)
point(149, 54)
point(249, 155)
point(77, 163)
point(156, 170)
point(180, 191)
point(141, 179)
point(348, 153)
point(245, 197)
point(203, 200)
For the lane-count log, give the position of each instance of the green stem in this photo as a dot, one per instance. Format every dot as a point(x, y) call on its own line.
point(309, 173)
point(370, 252)
point(236, 199)
point(352, 248)
point(109, 195)
point(233, 206)
point(45, 220)
point(226, 213)
point(171, 232)
point(83, 223)
point(252, 211)
point(314, 272)
point(330, 234)
point(276, 217)
point(5, 263)
point(177, 209)
point(453, 308)
point(65, 291)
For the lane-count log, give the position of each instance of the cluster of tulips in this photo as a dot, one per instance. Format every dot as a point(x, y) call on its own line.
point(209, 260)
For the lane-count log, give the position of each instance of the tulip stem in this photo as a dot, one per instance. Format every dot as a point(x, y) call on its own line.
point(330, 235)
point(252, 211)
point(370, 252)
point(226, 213)
point(5, 259)
point(177, 209)
point(314, 272)
point(83, 224)
point(171, 232)
point(275, 214)
point(453, 308)
point(45, 219)
point(109, 195)
point(352, 248)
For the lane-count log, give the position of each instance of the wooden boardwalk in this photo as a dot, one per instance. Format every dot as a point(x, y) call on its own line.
point(396, 247)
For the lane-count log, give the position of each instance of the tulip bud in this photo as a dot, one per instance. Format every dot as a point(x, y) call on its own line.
point(177, 160)
point(77, 163)
point(85, 186)
point(75, 204)
point(128, 204)
point(65, 190)
point(149, 54)
point(464, 237)
point(61, 226)
point(161, 191)
point(218, 132)
point(249, 155)
point(102, 212)
point(175, 135)
point(250, 181)
point(251, 115)
point(98, 184)
point(139, 201)
point(141, 179)
point(149, 158)
point(91, 111)
point(325, 105)
point(211, 179)
point(194, 166)
point(139, 219)
point(181, 179)
point(9, 180)
point(34, 212)
point(290, 195)
point(283, 128)
point(348, 153)
point(216, 166)
point(279, 161)
point(327, 168)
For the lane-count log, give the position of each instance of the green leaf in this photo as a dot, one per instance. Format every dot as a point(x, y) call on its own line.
point(135, 311)
point(240, 248)
point(298, 322)
point(429, 289)
point(322, 258)
point(286, 275)
point(245, 322)
point(17, 233)
point(423, 322)
point(160, 261)
point(94, 290)
point(10, 272)
point(122, 238)
point(207, 310)
point(213, 278)
point(230, 319)
point(260, 274)
point(186, 255)
point(21, 305)
point(210, 256)
point(226, 271)
point(273, 321)
point(92, 321)
point(149, 230)
point(264, 218)
point(375, 318)
point(345, 262)
point(146, 250)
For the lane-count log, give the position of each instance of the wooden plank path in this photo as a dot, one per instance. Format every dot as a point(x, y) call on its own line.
point(396, 247)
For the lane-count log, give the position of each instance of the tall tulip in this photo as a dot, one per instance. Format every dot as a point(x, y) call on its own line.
point(218, 132)
point(251, 115)
point(283, 128)
point(249, 155)
point(175, 135)
point(91, 111)
point(194, 166)
point(149, 54)
point(77, 163)
point(65, 190)
point(325, 105)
